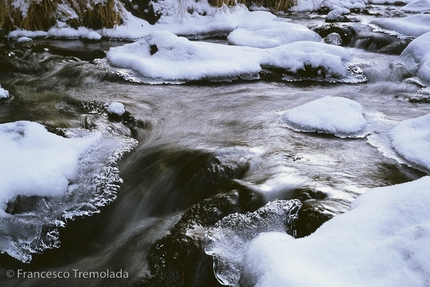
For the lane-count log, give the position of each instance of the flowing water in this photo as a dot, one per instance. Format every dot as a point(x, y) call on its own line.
point(187, 135)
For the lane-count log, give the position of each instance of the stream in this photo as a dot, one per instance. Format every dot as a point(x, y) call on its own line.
point(196, 141)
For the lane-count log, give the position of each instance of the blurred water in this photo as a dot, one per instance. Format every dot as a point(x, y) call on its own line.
point(193, 137)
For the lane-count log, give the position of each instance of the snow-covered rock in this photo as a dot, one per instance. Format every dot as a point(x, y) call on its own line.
point(380, 242)
point(333, 115)
point(410, 139)
point(163, 56)
point(414, 25)
point(271, 34)
point(416, 57)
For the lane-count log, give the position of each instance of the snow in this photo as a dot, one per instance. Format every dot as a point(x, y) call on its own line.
point(337, 14)
point(416, 57)
point(271, 34)
point(3, 93)
point(410, 139)
point(313, 5)
point(51, 179)
point(167, 57)
point(46, 162)
point(116, 108)
point(333, 115)
point(417, 6)
point(382, 241)
point(414, 25)
point(24, 39)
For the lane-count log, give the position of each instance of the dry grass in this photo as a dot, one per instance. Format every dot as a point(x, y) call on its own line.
point(43, 14)
point(40, 15)
point(105, 15)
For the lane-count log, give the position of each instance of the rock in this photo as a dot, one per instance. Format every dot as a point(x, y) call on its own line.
point(345, 32)
point(178, 259)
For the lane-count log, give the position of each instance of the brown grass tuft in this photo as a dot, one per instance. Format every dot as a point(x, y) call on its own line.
point(100, 16)
point(43, 14)
point(40, 15)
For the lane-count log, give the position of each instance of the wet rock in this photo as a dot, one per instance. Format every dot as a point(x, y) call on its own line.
point(99, 108)
point(380, 43)
point(345, 32)
point(311, 216)
point(143, 9)
point(178, 259)
point(333, 39)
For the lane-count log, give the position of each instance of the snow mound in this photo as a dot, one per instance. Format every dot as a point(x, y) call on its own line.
point(410, 139)
point(162, 57)
point(49, 179)
point(416, 57)
point(414, 25)
point(339, 116)
point(271, 34)
point(381, 241)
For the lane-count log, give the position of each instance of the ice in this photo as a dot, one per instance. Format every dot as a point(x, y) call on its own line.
point(333, 115)
point(48, 179)
point(381, 241)
point(3, 93)
point(165, 57)
point(229, 238)
point(416, 57)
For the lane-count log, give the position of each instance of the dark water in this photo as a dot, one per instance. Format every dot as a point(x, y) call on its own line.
point(194, 139)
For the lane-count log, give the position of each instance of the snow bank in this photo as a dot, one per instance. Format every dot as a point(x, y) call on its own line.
point(416, 57)
point(3, 93)
point(333, 115)
point(163, 56)
point(47, 179)
point(271, 34)
point(410, 139)
point(414, 25)
point(382, 241)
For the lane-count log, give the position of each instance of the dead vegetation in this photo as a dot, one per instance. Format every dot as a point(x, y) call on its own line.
point(43, 14)
point(34, 15)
